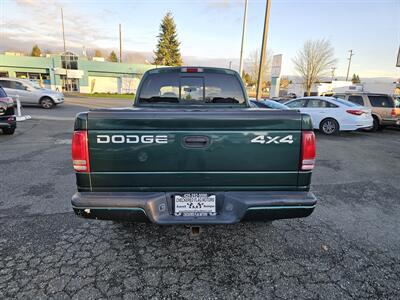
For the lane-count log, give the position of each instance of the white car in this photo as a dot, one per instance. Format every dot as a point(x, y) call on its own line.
point(331, 115)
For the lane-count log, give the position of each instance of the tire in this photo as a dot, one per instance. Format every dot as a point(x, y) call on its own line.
point(47, 103)
point(375, 125)
point(9, 131)
point(329, 126)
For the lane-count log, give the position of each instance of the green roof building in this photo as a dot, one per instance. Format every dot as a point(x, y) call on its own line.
point(69, 72)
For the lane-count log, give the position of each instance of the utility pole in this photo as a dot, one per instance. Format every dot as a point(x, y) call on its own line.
point(333, 73)
point(263, 50)
point(230, 64)
point(120, 45)
point(65, 52)
point(348, 67)
point(243, 34)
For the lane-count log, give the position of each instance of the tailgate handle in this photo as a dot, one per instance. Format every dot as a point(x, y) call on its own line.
point(196, 141)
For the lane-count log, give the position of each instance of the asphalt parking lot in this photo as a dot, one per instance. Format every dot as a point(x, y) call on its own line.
point(348, 248)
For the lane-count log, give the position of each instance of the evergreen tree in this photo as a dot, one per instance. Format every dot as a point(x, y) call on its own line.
point(355, 79)
point(167, 52)
point(113, 57)
point(36, 51)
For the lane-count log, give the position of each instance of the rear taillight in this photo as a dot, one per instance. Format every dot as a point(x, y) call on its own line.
point(308, 150)
point(393, 113)
point(356, 112)
point(80, 151)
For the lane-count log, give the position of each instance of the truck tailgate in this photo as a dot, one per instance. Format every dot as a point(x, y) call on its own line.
point(143, 149)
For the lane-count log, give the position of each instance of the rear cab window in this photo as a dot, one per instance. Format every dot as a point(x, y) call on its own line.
point(203, 87)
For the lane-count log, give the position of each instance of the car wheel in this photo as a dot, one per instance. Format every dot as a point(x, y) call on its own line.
point(375, 124)
point(9, 131)
point(46, 103)
point(329, 126)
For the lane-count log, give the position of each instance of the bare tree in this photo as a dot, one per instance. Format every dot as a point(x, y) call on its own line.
point(314, 60)
point(253, 65)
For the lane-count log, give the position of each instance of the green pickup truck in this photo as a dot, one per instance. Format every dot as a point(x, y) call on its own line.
point(192, 151)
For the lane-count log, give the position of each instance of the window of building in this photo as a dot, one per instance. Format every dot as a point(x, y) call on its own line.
point(69, 61)
point(3, 74)
point(22, 75)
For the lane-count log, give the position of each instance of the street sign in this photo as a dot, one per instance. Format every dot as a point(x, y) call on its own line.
point(276, 65)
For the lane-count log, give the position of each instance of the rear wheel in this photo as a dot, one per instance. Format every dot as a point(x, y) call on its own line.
point(329, 126)
point(375, 125)
point(47, 103)
point(8, 131)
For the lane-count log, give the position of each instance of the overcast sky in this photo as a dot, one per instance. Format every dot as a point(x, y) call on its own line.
point(212, 29)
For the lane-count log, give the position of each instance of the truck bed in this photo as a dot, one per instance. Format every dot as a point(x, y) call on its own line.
point(228, 161)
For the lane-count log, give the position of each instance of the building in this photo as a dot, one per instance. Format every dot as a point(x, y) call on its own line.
point(74, 73)
point(338, 86)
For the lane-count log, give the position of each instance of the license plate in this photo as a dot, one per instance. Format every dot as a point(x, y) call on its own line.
point(195, 205)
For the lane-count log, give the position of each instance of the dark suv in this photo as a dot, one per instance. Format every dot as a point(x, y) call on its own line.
point(8, 122)
point(382, 105)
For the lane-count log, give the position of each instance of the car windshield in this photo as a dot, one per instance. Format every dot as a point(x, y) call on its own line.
point(191, 89)
point(345, 102)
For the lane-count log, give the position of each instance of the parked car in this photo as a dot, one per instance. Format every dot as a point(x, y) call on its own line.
point(382, 105)
point(8, 122)
point(331, 115)
point(30, 93)
point(266, 103)
point(191, 151)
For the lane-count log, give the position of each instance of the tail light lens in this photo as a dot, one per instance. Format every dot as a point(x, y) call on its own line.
point(393, 113)
point(308, 150)
point(80, 151)
point(191, 70)
point(356, 112)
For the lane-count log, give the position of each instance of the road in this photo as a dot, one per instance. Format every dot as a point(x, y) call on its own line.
point(98, 102)
point(348, 248)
